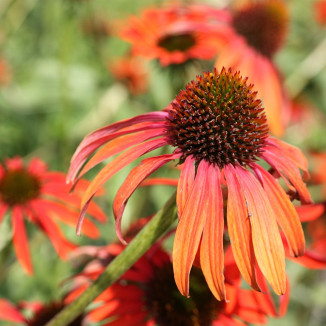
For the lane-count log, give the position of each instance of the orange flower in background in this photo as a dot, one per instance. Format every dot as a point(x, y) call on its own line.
point(41, 313)
point(146, 294)
point(320, 11)
point(131, 72)
point(259, 30)
point(175, 34)
point(219, 131)
point(43, 198)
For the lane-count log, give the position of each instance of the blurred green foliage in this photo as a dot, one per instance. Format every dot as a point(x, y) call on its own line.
point(61, 90)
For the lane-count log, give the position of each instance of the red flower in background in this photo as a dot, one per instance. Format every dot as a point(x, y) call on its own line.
point(43, 198)
point(175, 34)
point(320, 11)
point(146, 294)
point(219, 130)
point(41, 313)
point(131, 72)
point(259, 30)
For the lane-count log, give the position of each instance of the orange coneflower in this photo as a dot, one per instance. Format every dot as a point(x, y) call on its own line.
point(43, 198)
point(259, 30)
point(146, 294)
point(41, 313)
point(219, 130)
point(175, 34)
point(131, 72)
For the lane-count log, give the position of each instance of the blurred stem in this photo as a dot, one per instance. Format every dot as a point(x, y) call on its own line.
point(314, 63)
point(153, 230)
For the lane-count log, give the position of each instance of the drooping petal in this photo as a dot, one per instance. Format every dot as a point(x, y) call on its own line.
point(266, 237)
point(20, 240)
point(190, 229)
point(291, 152)
point(211, 249)
point(135, 177)
point(239, 228)
point(9, 312)
point(186, 181)
point(97, 138)
point(120, 144)
point(113, 167)
point(285, 213)
point(289, 172)
point(311, 212)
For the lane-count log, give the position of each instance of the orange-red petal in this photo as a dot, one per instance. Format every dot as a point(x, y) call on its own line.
point(190, 229)
point(133, 180)
point(285, 213)
point(20, 240)
point(239, 228)
point(211, 249)
point(266, 237)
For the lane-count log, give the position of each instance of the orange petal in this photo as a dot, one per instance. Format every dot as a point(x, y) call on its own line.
point(311, 212)
point(160, 182)
point(118, 145)
point(185, 183)
point(99, 137)
point(113, 167)
point(285, 213)
point(211, 250)
point(133, 180)
point(190, 229)
point(289, 172)
point(292, 153)
point(266, 237)
point(239, 228)
point(20, 240)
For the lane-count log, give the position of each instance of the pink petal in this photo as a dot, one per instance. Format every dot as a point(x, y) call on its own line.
point(97, 138)
point(120, 144)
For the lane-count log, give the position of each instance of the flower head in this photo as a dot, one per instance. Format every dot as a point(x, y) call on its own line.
point(174, 34)
point(257, 32)
point(219, 131)
point(43, 198)
point(146, 294)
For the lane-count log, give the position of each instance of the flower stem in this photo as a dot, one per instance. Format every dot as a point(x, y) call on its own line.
point(153, 230)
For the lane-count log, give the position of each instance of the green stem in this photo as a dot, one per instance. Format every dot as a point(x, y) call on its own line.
point(154, 229)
